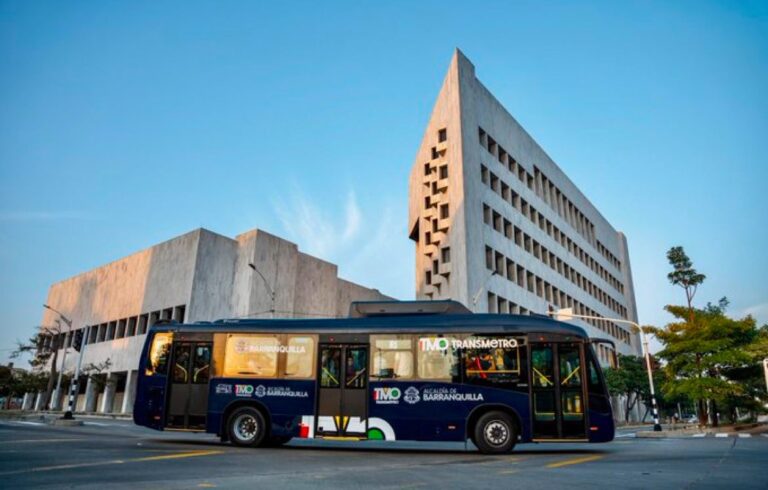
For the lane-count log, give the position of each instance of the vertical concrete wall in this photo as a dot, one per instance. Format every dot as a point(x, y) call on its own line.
point(463, 106)
point(206, 273)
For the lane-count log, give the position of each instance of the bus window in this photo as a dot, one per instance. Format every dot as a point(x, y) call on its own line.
point(497, 360)
point(392, 356)
point(437, 358)
point(570, 367)
point(158, 354)
point(300, 357)
point(541, 363)
point(251, 355)
point(181, 357)
point(201, 366)
point(330, 362)
point(356, 365)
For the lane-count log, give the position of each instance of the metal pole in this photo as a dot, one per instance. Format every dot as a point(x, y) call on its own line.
point(74, 386)
point(61, 370)
point(654, 406)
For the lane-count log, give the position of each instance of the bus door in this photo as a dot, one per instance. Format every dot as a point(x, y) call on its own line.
point(188, 385)
point(557, 391)
point(342, 401)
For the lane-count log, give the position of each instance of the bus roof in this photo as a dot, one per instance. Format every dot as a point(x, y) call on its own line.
point(461, 323)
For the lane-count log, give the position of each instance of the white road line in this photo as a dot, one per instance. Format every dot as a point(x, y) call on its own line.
point(721, 434)
point(699, 435)
point(96, 423)
point(29, 423)
point(745, 435)
point(632, 434)
point(764, 435)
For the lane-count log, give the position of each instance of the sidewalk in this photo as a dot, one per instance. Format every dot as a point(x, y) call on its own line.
point(48, 414)
point(741, 430)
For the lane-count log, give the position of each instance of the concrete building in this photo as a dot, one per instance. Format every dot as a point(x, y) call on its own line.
point(499, 227)
point(199, 276)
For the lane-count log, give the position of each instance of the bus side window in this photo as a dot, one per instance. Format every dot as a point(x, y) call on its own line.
point(437, 358)
point(300, 358)
point(158, 354)
point(391, 356)
point(499, 364)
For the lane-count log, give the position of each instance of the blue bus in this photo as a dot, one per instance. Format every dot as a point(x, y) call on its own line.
point(424, 371)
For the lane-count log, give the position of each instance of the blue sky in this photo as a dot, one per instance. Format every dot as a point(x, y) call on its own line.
point(123, 124)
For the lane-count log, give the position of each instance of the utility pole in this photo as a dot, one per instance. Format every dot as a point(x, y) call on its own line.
point(566, 314)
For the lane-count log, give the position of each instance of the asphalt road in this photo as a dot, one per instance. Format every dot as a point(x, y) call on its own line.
point(115, 454)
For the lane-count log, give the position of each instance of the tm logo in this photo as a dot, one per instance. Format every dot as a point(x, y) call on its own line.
point(386, 396)
point(427, 344)
point(243, 390)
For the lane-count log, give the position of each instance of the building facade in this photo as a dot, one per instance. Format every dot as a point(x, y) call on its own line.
point(199, 276)
point(499, 227)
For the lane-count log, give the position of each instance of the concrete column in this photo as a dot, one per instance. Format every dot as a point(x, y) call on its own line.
point(130, 391)
point(39, 400)
point(90, 396)
point(109, 393)
point(56, 400)
point(28, 402)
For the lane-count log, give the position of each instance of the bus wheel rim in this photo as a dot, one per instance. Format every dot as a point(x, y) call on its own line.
point(496, 433)
point(246, 427)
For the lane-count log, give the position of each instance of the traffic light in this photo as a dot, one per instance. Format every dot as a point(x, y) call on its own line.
point(77, 341)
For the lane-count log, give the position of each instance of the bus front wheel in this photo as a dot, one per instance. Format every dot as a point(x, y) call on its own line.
point(495, 432)
point(246, 427)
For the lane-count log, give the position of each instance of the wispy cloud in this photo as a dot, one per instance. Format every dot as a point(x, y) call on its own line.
point(24, 216)
point(367, 242)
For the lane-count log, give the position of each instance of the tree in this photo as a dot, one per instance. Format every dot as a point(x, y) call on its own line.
point(16, 382)
point(683, 273)
point(702, 349)
point(628, 379)
point(44, 347)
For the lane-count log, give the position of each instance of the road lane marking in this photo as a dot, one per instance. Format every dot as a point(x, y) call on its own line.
point(29, 423)
point(721, 434)
point(97, 423)
point(186, 454)
point(699, 435)
point(568, 462)
point(631, 434)
point(745, 435)
point(508, 472)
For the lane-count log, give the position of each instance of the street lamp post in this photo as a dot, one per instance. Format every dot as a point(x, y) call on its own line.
point(480, 290)
point(73, 385)
point(63, 357)
point(269, 289)
point(567, 313)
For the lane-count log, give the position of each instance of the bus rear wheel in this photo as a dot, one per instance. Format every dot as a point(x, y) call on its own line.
point(247, 427)
point(495, 432)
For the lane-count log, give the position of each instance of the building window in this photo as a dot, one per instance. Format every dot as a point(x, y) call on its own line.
point(445, 255)
point(442, 135)
point(443, 172)
point(443, 211)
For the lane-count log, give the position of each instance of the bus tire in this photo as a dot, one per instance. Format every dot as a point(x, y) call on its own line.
point(246, 427)
point(495, 432)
